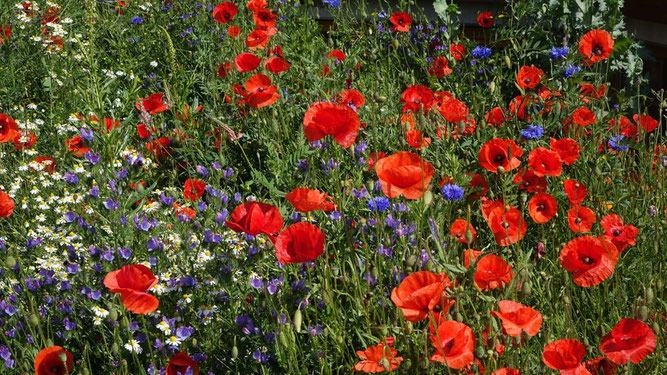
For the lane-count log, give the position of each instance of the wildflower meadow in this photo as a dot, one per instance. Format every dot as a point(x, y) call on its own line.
point(200, 188)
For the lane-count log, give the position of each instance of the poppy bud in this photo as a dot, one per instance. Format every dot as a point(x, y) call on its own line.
point(10, 262)
point(526, 288)
point(297, 320)
point(428, 197)
point(659, 284)
point(649, 295)
point(284, 341)
point(408, 328)
point(597, 171)
point(477, 316)
point(85, 371)
point(395, 44)
point(49, 342)
point(113, 315)
point(492, 86)
point(459, 317)
point(566, 300)
point(194, 342)
point(468, 235)
point(384, 362)
point(462, 126)
point(33, 320)
point(123, 364)
point(370, 30)
point(642, 314)
point(411, 260)
point(656, 328)
point(139, 188)
point(508, 62)
point(374, 273)
point(480, 352)
point(114, 349)
point(500, 169)
point(124, 323)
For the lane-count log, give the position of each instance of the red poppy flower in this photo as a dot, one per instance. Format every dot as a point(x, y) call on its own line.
point(256, 5)
point(592, 259)
point(6, 31)
point(77, 145)
point(306, 200)
point(404, 173)
point(492, 272)
point(259, 38)
point(542, 207)
point(421, 292)
point(132, 282)
point(337, 54)
point(452, 109)
point(378, 358)
point(647, 122)
point(254, 218)
point(47, 164)
point(24, 139)
point(184, 211)
point(440, 67)
point(506, 371)
point(401, 21)
point(264, 18)
point(373, 158)
point(567, 148)
point(575, 191)
point(457, 50)
point(470, 256)
point(529, 181)
point(596, 45)
point(477, 187)
point(260, 91)
point(518, 105)
point(276, 64)
point(529, 77)
point(454, 344)
point(508, 226)
point(327, 118)
point(416, 98)
point(6, 205)
point(8, 128)
point(53, 360)
point(298, 243)
point(580, 219)
point(620, 235)
point(459, 228)
point(194, 189)
point(583, 116)
point(180, 363)
point(498, 153)
point(233, 31)
point(565, 355)
point(152, 104)
point(485, 19)
point(516, 317)
point(545, 162)
point(495, 117)
point(352, 98)
point(416, 139)
point(225, 12)
point(600, 366)
point(629, 340)
point(223, 68)
point(246, 62)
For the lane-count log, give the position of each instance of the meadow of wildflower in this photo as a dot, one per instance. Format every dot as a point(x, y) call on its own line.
point(232, 188)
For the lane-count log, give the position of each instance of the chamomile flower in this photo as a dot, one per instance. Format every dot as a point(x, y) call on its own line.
point(133, 346)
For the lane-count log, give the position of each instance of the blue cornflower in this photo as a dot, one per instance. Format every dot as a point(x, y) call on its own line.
point(481, 52)
point(382, 14)
point(452, 192)
point(378, 204)
point(137, 20)
point(532, 132)
point(332, 3)
point(570, 70)
point(559, 52)
point(617, 144)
